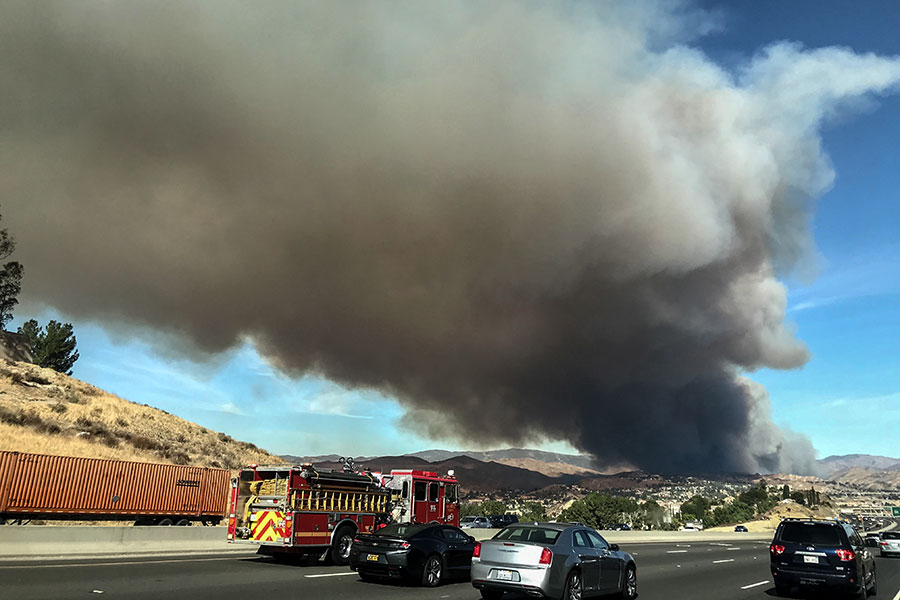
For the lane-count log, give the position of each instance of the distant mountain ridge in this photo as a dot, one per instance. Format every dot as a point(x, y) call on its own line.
point(577, 460)
point(528, 469)
point(833, 464)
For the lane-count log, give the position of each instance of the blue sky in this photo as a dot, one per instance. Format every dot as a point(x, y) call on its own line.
point(846, 399)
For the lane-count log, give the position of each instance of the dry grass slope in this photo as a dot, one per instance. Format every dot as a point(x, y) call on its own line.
point(46, 412)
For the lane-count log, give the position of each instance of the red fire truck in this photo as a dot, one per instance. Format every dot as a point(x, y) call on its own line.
point(305, 511)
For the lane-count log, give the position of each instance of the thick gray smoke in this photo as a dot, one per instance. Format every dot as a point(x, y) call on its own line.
point(533, 221)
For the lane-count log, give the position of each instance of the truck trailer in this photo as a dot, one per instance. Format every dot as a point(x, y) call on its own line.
point(41, 486)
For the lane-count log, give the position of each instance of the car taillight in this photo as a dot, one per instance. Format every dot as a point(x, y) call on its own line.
point(476, 553)
point(884, 543)
point(776, 549)
point(546, 557)
point(355, 540)
point(845, 555)
point(404, 545)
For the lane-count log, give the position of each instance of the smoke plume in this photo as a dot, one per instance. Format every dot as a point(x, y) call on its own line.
point(524, 221)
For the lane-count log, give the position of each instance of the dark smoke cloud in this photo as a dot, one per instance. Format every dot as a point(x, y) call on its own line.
point(525, 222)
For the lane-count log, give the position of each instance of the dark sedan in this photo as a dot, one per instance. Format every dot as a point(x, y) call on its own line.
point(426, 553)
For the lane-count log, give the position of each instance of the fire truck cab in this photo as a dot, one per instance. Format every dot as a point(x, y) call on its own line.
point(423, 497)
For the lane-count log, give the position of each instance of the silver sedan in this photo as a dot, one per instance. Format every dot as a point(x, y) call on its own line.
point(555, 560)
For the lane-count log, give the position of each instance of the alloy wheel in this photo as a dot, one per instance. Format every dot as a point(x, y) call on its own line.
point(432, 571)
point(573, 587)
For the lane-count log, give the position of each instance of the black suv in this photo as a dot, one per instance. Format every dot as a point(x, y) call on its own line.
point(500, 521)
point(821, 554)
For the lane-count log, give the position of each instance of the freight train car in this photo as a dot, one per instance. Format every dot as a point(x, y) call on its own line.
point(40, 486)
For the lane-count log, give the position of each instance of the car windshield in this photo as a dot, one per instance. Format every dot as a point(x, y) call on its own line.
point(538, 535)
point(401, 530)
point(810, 533)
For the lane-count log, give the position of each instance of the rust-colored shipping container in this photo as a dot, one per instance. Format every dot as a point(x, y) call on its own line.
point(64, 487)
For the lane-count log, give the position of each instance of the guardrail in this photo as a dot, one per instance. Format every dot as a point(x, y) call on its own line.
point(54, 541)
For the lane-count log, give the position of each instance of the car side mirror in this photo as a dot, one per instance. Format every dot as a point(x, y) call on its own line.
point(614, 547)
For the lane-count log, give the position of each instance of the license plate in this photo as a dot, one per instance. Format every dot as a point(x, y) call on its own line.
point(811, 559)
point(372, 557)
point(504, 575)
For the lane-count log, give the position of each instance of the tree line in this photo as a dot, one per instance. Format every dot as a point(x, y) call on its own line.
point(603, 511)
point(52, 346)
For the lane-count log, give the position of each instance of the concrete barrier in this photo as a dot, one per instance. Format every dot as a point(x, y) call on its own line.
point(639, 537)
point(44, 541)
point(26, 542)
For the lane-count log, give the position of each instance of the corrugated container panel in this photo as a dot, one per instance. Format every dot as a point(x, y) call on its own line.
point(43, 483)
point(7, 464)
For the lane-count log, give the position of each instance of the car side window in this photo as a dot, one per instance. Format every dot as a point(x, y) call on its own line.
point(598, 541)
point(404, 493)
point(432, 492)
point(452, 535)
point(581, 539)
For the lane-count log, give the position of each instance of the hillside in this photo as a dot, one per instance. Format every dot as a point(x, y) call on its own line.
point(46, 412)
point(832, 464)
point(868, 478)
point(473, 474)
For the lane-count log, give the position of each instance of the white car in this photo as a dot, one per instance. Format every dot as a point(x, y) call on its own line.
point(890, 543)
point(475, 523)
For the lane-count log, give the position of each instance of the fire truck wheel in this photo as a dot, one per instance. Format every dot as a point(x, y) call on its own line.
point(340, 547)
point(431, 573)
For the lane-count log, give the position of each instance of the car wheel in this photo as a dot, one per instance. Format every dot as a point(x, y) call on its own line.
point(629, 584)
point(573, 587)
point(340, 547)
point(873, 588)
point(432, 571)
point(491, 594)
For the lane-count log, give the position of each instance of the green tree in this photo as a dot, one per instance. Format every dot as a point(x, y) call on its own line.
point(53, 347)
point(493, 507)
point(600, 510)
point(10, 278)
point(785, 492)
point(798, 497)
point(695, 508)
point(653, 515)
point(533, 512)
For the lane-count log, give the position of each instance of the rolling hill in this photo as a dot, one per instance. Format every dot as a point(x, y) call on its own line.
point(46, 412)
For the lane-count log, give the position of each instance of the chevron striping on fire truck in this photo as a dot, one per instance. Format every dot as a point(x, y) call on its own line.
point(302, 510)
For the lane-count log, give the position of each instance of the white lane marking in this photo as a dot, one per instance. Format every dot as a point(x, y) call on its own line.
point(753, 585)
point(682, 545)
point(718, 544)
point(897, 597)
point(715, 562)
point(330, 574)
point(113, 564)
point(675, 551)
point(733, 548)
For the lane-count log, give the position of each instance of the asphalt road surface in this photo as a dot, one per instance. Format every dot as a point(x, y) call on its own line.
point(688, 571)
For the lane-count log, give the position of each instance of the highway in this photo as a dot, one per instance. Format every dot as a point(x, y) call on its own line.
point(670, 571)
